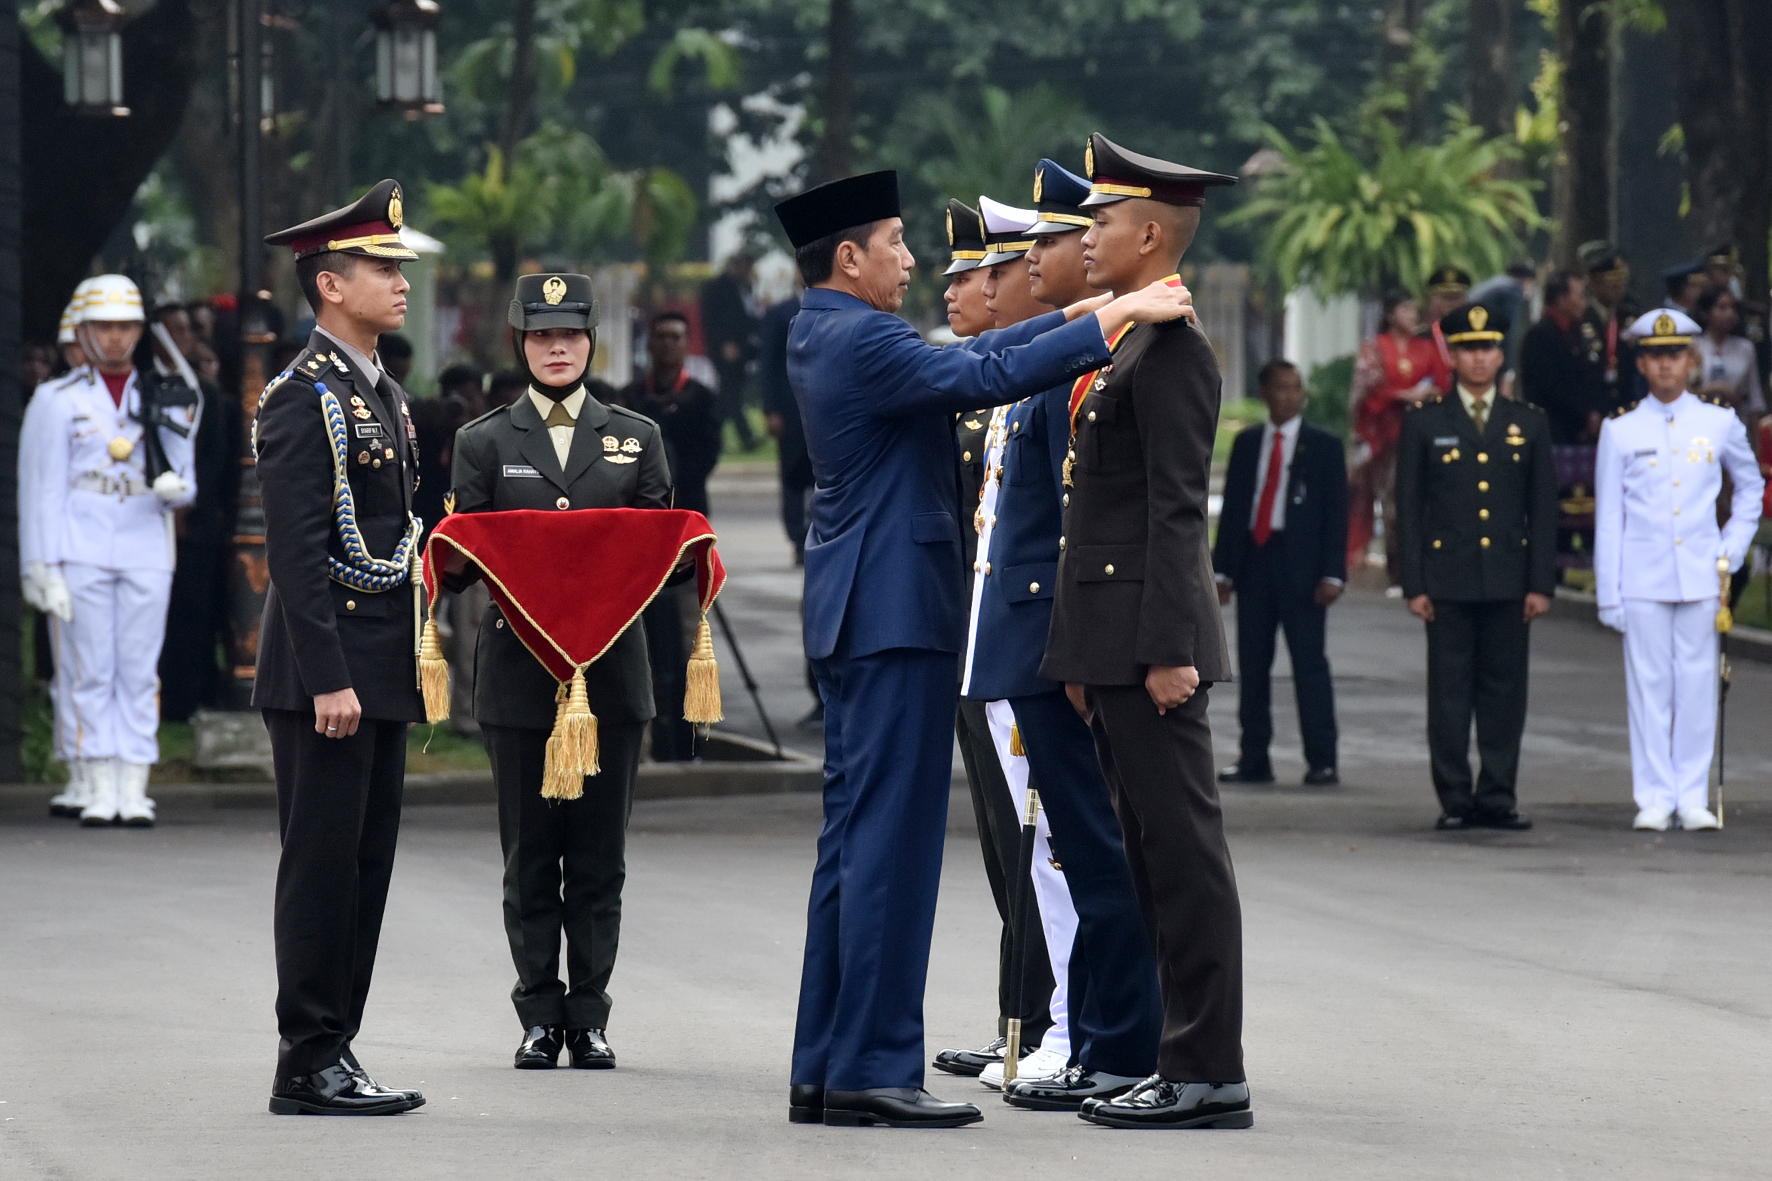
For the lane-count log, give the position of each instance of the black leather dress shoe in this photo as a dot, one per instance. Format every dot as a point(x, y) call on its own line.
point(590, 1049)
point(1322, 777)
point(1235, 774)
point(805, 1104)
point(1159, 1103)
point(971, 1063)
point(367, 1084)
point(1452, 822)
point(540, 1049)
point(1509, 821)
point(334, 1091)
point(895, 1107)
point(1068, 1091)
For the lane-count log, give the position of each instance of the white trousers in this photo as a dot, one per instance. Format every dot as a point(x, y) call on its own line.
point(107, 658)
point(1670, 664)
point(1051, 893)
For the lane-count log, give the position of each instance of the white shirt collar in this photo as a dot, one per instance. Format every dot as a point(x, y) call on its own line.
point(1289, 429)
point(370, 367)
point(574, 403)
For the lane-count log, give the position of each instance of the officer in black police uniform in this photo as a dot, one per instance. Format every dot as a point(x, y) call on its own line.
point(1137, 640)
point(557, 447)
point(1477, 542)
point(337, 665)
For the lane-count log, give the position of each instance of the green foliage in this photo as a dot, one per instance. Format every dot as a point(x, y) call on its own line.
point(719, 60)
point(498, 212)
point(564, 28)
point(1341, 226)
point(1329, 388)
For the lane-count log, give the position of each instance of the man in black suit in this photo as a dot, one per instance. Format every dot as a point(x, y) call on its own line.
point(1476, 536)
point(1554, 371)
point(781, 414)
point(1137, 640)
point(729, 331)
point(337, 663)
point(558, 448)
point(1282, 550)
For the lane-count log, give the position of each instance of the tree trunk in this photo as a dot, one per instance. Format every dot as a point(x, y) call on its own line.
point(1489, 65)
point(11, 688)
point(1725, 105)
point(1583, 197)
point(80, 173)
point(835, 156)
point(523, 82)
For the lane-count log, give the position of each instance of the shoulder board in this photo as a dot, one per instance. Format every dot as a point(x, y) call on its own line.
point(1430, 400)
point(308, 369)
point(624, 412)
point(487, 417)
point(1532, 406)
point(1715, 401)
point(1623, 410)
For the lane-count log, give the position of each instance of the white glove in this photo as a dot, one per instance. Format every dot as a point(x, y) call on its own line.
point(46, 589)
point(1613, 617)
point(171, 487)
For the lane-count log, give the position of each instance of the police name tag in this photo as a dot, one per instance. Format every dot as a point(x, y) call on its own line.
point(1446, 441)
point(521, 471)
point(369, 430)
point(1645, 453)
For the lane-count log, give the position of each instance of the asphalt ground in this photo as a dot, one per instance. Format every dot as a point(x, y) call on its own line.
point(1575, 1001)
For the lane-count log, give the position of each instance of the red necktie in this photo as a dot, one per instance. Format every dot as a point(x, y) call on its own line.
point(1270, 488)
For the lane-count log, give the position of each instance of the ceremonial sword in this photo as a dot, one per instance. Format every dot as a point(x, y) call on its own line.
point(1725, 623)
point(1023, 884)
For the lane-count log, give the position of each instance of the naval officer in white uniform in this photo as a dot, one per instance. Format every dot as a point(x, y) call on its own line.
point(105, 457)
point(1657, 556)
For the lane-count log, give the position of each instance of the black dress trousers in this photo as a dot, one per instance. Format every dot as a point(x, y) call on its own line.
point(1477, 663)
point(1159, 770)
point(1021, 949)
point(1268, 600)
point(338, 813)
point(565, 864)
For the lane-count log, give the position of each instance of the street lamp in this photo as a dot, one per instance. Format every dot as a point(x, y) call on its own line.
point(406, 57)
point(92, 56)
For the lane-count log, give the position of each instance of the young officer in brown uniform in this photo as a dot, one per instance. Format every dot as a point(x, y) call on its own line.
point(1137, 639)
point(556, 448)
point(337, 666)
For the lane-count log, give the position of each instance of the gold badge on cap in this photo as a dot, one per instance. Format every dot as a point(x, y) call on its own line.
point(950, 227)
point(1479, 317)
point(554, 290)
point(396, 210)
point(1664, 325)
point(1039, 183)
point(1089, 158)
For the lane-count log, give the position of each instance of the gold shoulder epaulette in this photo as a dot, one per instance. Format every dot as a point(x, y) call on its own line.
point(1430, 400)
point(1714, 401)
point(1622, 410)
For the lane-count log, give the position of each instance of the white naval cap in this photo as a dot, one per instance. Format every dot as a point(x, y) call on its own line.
point(1005, 231)
point(1664, 327)
point(110, 298)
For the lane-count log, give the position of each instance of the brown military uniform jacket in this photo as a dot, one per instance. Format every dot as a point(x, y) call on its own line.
point(1135, 585)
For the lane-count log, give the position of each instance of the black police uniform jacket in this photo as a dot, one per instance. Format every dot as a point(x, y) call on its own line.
point(505, 460)
point(316, 635)
point(1135, 585)
point(1476, 514)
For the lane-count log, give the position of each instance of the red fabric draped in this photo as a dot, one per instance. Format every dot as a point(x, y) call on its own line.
point(570, 583)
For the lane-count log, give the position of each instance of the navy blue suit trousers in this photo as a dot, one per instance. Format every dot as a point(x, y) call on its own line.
point(1268, 599)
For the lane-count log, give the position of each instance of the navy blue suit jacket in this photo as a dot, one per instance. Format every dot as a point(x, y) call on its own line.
point(1314, 542)
point(1015, 608)
point(883, 557)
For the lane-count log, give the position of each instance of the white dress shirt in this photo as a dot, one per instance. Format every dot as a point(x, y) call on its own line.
point(560, 436)
point(1288, 448)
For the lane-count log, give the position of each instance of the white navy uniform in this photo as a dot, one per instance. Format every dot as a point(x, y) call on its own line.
point(98, 519)
point(1658, 476)
point(1058, 916)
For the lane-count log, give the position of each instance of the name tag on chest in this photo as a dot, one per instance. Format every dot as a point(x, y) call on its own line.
point(369, 430)
point(1646, 452)
point(1446, 441)
point(521, 471)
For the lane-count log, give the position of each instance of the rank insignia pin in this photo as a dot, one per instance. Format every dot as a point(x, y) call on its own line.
point(611, 443)
point(631, 446)
point(360, 412)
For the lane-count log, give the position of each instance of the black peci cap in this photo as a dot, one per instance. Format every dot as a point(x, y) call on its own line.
point(370, 227)
point(965, 237)
point(839, 205)
point(553, 301)
point(1116, 174)
point(1472, 323)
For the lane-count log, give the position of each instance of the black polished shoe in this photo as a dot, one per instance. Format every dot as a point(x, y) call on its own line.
point(540, 1049)
point(805, 1104)
point(350, 1063)
point(1452, 822)
point(1068, 1091)
point(971, 1063)
point(1235, 774)
point(1159, 1103)
point(895, 1107)
point(334, 1091)
point(1322, 777)
point(1511, 820)
point(590, 1050)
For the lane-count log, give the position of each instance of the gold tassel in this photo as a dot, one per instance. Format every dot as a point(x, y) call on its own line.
point(572, 748)
point(1015, 746)
point(433, 675)
point(701, 695)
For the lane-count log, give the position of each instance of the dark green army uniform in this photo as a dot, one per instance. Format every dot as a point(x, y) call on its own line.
point(1477, 532)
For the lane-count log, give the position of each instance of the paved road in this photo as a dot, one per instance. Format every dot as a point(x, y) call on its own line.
point(1576, 1001)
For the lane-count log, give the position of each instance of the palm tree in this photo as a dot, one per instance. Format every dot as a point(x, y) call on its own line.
point(1342, 227)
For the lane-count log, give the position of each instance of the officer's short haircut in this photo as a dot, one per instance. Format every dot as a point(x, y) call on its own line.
point(1271, 371)
point(818, 259)
point(307, 271)
point(1558, 284)
point(457, 376)
point(669, 315)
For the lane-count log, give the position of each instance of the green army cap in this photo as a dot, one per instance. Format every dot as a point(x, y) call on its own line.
point(553, 301)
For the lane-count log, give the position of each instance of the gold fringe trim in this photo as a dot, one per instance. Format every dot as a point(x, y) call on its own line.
point(1015, 746)
point(572, 752)
point(433, 673)
point(701, 696)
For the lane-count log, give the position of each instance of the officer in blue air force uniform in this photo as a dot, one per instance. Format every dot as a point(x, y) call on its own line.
point(1659, 562)
point(885, 619)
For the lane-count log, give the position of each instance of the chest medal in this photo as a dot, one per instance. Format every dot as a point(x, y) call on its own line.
point(121, 449)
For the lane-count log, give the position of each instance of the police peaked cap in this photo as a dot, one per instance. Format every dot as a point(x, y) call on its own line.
point(1449, 281)
point(1473, 323)
point(1116, 174)
point(553, 301)
point(1059, 194)
point(371, 228)
point(839, 205)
